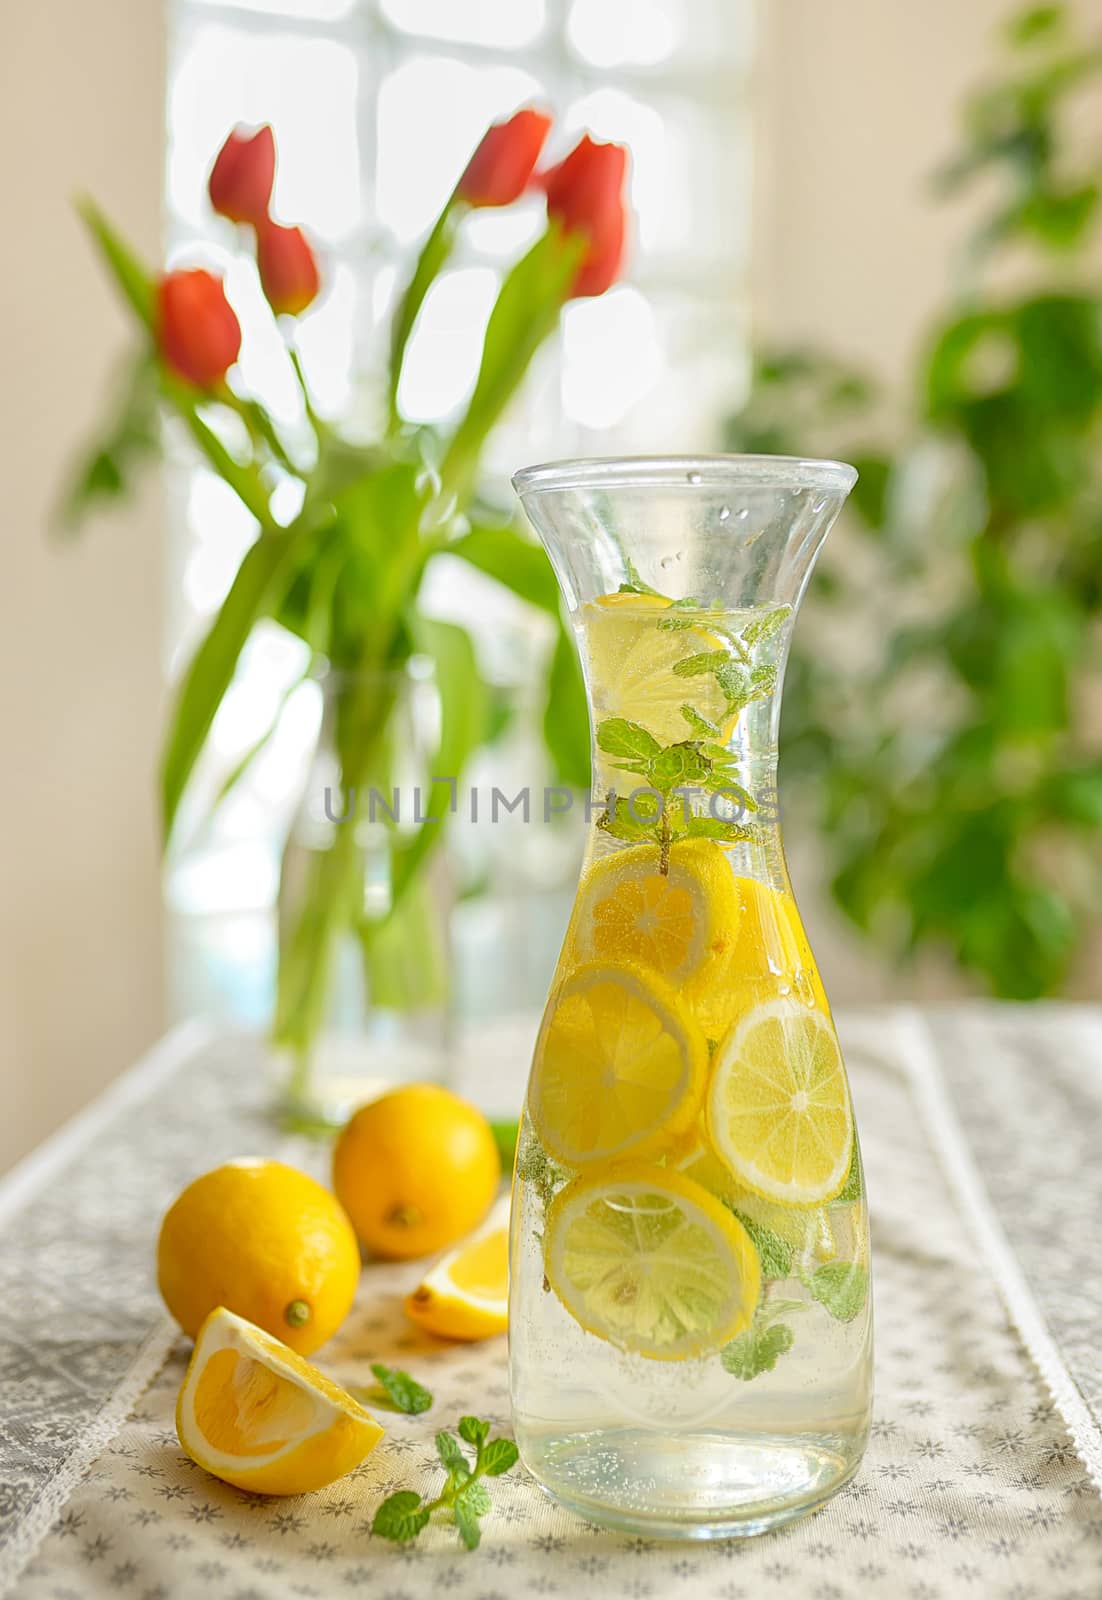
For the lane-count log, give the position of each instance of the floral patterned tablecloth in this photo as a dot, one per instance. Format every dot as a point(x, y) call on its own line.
point(983, 1477)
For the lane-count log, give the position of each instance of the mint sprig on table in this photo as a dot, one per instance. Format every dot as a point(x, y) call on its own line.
point(464, 1497)
point(402, 1392)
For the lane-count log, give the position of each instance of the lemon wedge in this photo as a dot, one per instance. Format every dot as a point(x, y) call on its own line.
point(619, 1066)
point(778, 1108)
point(631, 667)
point(466, 1295)
point(256, 1415)
point(648, 1260)
point(681, 923)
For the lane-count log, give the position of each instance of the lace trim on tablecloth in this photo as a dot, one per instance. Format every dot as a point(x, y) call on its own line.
point(918, 1051)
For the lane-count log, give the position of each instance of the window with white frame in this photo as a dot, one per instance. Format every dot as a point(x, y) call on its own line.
point(376, 105)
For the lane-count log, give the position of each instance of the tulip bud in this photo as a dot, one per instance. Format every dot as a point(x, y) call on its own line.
point(198, 334)
point(500, 169)
point(240, 184)
point(584, 194)
point(288, 268)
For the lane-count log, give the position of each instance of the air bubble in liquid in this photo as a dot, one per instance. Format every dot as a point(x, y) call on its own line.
point(695, 477)
point(724, 513)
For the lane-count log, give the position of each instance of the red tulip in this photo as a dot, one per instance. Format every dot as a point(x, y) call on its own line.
point(584, 194)
point(240, 184)
point(197, 332)
point(500, 169)
point(288, 267)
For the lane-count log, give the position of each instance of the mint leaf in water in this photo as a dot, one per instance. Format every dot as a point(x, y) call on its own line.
point(699, 724)
point(403, 1392)
point(400, 1517)
point(774, 1253)
point(764, 627)
point(757, 1350)
point(841, 1286)
point(616, 736)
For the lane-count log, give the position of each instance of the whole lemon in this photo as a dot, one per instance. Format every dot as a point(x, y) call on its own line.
point(415, 1170)
point(267, 1242)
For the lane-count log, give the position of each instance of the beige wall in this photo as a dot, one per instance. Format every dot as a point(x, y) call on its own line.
point(857, 102)
point(81, 106)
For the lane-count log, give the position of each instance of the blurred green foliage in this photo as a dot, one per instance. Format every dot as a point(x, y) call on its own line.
point(943, 714)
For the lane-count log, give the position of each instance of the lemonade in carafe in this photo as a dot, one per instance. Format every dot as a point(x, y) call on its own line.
point(690, 1313)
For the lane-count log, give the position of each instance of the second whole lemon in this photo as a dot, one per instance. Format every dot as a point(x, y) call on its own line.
point(268, 1243)
point(416, 1170)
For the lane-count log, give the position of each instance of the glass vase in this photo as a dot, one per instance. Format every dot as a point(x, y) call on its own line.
point(364, 972)
point(690, 1316)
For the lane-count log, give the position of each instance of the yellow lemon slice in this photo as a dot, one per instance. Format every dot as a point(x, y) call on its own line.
point(631, 667)
point(778, 1109)
point(466, 1295)
point(768, 958)
point(680, 923)
point(647, 1259)
point(619, 1066)
point(806, 1228)
point(256, 1415)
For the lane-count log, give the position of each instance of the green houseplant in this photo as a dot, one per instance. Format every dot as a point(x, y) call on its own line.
point(955, 754)
point(344, 573)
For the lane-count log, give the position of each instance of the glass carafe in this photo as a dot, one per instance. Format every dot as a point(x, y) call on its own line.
point(690, 1315)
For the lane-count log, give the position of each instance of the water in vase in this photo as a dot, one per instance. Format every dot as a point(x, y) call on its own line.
point(690, 1312)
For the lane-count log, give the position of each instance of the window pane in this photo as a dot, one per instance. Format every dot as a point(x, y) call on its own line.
point(306, 88)
point(646, 33)
point(612, 359)
point(501, 23)
point(455, 101)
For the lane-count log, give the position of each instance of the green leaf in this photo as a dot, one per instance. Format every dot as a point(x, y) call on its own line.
point(716, 828)
point(463, 718)
point(131, 438)
point(400, 1517)
point(474, 1497)
point(260, 580)
point(616, 736)
point(503, 553)
point(620, 823)
point(128, 272)
point(774, 1253)
point(526, 311)
point(404, 1392)
point(757, 1350)
point(566, 715)
point(705, 661)
point(466, 1521)
point(841, 1286)
point(451, 1454)
point(430, 263)
point(765, 626)
point(678, 766)
point(499, 1456)
point(474, 1431)
point(699, 724)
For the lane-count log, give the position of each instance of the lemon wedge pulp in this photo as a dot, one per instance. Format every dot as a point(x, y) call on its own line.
point(256, 1415)
point(466, 1295)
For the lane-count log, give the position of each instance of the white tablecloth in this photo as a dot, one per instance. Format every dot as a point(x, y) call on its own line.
point(983, 1478)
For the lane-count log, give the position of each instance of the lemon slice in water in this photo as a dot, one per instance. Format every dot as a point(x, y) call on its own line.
point(647, 1259)
point(619, 1066)
point(631, 667)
